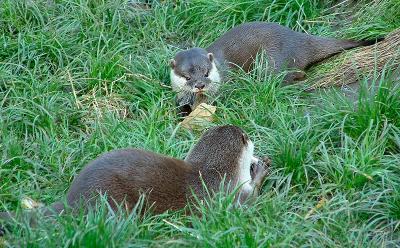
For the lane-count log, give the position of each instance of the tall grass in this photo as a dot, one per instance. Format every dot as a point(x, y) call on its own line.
point(81, 77)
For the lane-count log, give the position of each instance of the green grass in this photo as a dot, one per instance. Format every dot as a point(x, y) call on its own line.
point(81, 77)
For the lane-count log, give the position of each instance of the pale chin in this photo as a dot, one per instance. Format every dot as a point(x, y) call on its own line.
point(197, 91)
point(254, 160)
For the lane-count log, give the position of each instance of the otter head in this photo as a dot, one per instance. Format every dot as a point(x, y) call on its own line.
point(223, 151)
point(194, 75)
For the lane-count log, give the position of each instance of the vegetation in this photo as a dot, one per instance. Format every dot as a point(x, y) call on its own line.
point(81, 77)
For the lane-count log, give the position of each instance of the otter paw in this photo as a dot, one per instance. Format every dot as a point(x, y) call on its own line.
point(259, 170)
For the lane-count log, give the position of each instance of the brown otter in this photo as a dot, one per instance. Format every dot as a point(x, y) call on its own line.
point(197, 71)
point(223, 151)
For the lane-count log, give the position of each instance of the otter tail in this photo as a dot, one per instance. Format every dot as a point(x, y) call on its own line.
point(348, 44)
point(7, 217)
point(370, 42)
point(328, 47)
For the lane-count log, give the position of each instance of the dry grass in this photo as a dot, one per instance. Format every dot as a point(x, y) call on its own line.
point(99, 106)
point(348, 67)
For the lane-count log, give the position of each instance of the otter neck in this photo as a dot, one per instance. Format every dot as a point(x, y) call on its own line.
point(218, 54)
point(219, 60)
point(208, 174)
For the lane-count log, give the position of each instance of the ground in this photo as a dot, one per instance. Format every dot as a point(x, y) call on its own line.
point(82, 77)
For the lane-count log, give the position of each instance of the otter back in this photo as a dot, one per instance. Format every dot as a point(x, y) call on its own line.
point(124, 174)
point(284, 48)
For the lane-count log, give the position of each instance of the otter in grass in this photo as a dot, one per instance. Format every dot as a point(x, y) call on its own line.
point(222, 153)
point(197, 72)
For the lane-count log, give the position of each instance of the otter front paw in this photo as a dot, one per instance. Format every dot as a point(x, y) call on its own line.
point(259, 169)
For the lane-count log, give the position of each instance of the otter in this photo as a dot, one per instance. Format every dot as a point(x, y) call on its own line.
point(197, 72)
point(223, 152)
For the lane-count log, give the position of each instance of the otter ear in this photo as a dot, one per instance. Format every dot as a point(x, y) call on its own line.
point(210, 56)
point(244, 138)
point(172, 63)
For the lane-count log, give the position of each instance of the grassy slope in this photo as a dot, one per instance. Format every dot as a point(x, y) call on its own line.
point(78, 78)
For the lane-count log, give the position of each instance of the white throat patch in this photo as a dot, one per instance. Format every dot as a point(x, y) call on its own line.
point(214, 75)
point(245, 163)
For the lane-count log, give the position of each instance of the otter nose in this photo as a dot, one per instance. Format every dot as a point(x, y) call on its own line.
point(199, 86)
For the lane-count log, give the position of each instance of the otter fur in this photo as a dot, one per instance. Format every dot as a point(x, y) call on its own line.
point(197, 71)
point(223, 152)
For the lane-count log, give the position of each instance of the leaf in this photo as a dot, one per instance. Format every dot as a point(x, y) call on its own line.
point(199, 117)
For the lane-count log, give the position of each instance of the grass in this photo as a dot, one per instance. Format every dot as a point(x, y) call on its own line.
point(78, 78)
